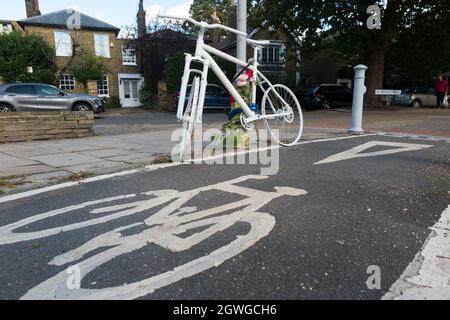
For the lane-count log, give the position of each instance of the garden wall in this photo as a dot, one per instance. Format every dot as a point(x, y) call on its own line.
point(28, 126)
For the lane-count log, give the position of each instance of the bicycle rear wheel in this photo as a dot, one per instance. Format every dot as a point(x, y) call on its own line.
point(189, 120)
point(287, 130)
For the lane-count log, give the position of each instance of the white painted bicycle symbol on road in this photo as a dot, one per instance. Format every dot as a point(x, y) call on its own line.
point(163, 228)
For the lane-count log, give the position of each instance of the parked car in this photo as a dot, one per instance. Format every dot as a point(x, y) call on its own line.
point(43, 97)
point(215, 98)
point(326, 96)
point(416, 97)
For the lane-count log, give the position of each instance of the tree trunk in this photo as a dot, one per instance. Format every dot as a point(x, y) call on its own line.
point(375, 61)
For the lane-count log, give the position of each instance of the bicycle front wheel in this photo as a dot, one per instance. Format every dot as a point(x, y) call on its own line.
point(189, 120)
point(286, 122)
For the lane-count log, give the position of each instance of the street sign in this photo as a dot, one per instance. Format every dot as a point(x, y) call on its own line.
point(388, 92)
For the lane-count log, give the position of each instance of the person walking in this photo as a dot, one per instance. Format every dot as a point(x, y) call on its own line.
point(441, 90)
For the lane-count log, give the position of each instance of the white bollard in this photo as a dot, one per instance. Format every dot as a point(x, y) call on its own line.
point(358, 100)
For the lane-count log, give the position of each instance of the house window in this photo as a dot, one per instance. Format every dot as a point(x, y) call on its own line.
point(103, 87)
point(128, 57)
point(63, 44)
point(272, 55)
point(102, 45)
point(67, 82)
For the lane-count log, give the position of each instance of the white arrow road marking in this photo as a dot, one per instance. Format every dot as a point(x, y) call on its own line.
point(428, 276)
point(357, 151)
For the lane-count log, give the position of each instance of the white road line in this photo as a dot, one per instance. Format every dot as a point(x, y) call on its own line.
point(31, 193)
point(428, 276)
point(357, 152)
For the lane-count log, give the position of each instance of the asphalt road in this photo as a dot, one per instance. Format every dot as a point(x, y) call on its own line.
point(312, 241)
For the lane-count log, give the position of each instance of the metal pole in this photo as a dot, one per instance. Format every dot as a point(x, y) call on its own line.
point(358, 99)
point(241, 48)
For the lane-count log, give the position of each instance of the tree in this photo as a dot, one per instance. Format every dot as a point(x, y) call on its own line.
point(20, 51)
point(173, 71)
point(163, 39)
point(202, 10)
point(86, 68)
point(346, 21)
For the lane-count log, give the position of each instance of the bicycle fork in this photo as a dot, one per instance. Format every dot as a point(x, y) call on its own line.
point(197, 110)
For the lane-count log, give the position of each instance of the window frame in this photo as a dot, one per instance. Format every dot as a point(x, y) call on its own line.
point(64, 78)
point(98, 45)
point(273, 54)
point(124, 55)
point(63, 51)
point(101, 87)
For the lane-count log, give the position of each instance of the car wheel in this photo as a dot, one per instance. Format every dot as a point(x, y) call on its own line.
point(5, 108)
point(417, 104)
point(82, 107)
point(327, 105)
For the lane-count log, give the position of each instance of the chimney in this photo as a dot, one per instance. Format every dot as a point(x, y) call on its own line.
point(141, 20)
point(32, 7)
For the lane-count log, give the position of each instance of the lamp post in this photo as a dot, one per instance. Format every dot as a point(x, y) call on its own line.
point(241, 47)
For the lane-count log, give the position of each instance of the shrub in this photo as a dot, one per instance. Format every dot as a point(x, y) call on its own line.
point(87, 68)
point(18, 52)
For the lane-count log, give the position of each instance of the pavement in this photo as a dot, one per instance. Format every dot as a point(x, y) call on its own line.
point(343, 218)
point(127, 139)
point(122, 142)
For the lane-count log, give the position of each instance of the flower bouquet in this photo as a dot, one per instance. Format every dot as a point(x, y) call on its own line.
point(233, 133)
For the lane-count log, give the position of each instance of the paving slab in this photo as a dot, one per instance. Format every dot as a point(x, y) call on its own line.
point(44, 177)
point(25, 170)
point(65, 159)
point(96, 167)
point(8, 161)
point(105, 153)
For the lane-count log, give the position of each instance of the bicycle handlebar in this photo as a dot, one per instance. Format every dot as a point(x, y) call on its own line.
point(203, 24)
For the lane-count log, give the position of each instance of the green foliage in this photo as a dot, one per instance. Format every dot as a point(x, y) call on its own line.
point(173, 71)
point(112, 103)
point(146, 96)
point(18, 52)
point(411, 39)
point(85, 68)
point(202, 10)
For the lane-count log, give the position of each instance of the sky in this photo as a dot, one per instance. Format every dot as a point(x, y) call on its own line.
point(119, 13)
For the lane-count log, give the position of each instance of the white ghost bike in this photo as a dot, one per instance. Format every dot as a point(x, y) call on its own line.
point(280, 110)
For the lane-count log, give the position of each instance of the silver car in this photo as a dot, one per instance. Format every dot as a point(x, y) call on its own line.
point(416, 97)
point(43, 97)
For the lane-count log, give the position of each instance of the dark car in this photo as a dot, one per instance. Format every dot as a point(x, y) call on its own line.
point(326, 96)
point(215, 98)
point(43, 97)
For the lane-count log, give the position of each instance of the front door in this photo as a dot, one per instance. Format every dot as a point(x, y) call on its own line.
point(131, 93)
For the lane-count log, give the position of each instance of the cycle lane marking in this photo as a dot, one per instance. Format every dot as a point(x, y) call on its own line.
point(163, 228)
point(428, 276)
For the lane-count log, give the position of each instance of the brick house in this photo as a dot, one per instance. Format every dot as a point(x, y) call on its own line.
point(73, 33)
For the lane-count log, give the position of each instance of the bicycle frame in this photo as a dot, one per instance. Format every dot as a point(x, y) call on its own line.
point(203, 55)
